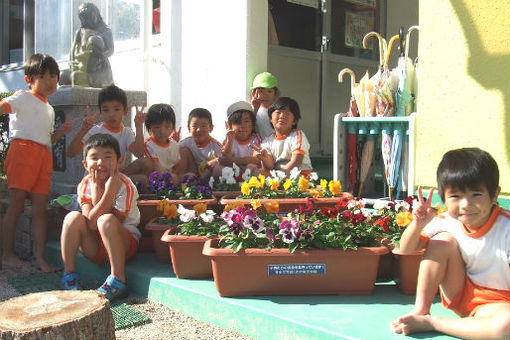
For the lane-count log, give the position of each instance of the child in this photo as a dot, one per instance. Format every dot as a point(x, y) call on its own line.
point(106, 227)
point(263, 94)
point(467, 251)
point(200, 152)
point(287, 147)
point(29, 162)
point(161, 151)
point(241, 135)
point(112, 102)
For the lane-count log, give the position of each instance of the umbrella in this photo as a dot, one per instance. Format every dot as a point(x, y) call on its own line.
point(366, 161)
point(351, 157)
point(410, 74)
point(403, 95)
point(394, 168)
point(404, 168)
point(385, 89)
point(386, 151)
point(368, 85)
point(353, 108)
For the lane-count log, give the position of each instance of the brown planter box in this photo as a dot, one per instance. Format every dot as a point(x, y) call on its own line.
point(288, 204)
point(405, 272)
point(304, 272)
point(188, 261)
point(159, 247)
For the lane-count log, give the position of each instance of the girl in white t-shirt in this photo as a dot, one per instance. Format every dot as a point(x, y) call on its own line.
point(161, 151)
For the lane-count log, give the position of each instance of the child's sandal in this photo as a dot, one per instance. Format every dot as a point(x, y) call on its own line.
point(70, 281)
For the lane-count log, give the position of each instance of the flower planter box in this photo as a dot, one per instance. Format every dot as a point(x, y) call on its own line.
point(160, 247)
point(405, 272)
point(288, 204)
point(149, 210)
point(304, 272)
point(188, 261)
point(219, 194)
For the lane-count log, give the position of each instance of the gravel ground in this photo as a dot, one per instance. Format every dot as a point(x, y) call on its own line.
point(166, 323)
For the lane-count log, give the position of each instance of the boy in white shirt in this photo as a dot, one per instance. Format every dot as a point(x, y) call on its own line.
point(263, 94)
point(467, 252)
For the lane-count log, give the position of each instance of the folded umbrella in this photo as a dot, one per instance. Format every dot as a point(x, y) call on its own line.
point(385, 90)
point(410, 85)
point(366, 162)
point(394, 167)
point(386, 151)
point(353, 107)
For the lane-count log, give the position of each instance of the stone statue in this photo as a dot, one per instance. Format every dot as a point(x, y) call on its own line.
point(92, 45)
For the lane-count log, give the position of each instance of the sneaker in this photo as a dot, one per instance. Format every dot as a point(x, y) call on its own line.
point(113, 288)
point(70, 281)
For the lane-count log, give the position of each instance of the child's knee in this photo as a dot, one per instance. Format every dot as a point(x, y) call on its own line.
point(443, 242)
point(73, 219)
point(107, 224)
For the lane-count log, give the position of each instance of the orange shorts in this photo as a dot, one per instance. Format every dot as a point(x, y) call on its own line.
point(101, 255)
point(29, 166)
point(473, 297)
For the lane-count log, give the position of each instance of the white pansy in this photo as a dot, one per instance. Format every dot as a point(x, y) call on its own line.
point(380, 204)
point(247, 175)
point(313, 176)
point(208, 216)
point(236, 169)
point(211, 182)
point(186, 215)
point(294, 173)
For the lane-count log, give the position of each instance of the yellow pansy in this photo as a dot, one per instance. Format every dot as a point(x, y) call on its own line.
point(183, 187)
point(274, 184)
point(254, 182)
point(245, 188)
point(303, 184)
point(272, 208)
point(315, 193)
point(262, 180)
point(288, 184)
point(255, 204)
point(324, 184)
point(162, 204)
point(200, 208)
point(404, 218)
point(335, 187)
point(170, 211)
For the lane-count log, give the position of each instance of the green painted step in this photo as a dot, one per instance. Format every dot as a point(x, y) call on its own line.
point(323, 166)
point(265, 317)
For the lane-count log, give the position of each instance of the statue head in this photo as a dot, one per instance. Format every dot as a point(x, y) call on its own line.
point(90, 16)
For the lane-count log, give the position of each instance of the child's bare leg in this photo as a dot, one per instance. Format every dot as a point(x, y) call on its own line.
point(116, 241)
point(442, 265)
point(187, 161)
point(76, 235)
point(139, 170)
point(40, 230)
point(14, 210)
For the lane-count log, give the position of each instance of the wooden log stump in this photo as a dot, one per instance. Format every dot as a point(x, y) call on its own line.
point(57, 315)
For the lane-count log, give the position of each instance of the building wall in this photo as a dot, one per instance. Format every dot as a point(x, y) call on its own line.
point(464, 96)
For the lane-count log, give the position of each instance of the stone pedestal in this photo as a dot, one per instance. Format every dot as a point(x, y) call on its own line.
point(73, 100)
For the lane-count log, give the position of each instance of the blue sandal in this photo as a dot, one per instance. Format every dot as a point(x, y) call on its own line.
point(70, 281)
point(113, 288)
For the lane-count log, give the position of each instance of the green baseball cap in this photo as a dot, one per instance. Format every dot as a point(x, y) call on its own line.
point(265, 80)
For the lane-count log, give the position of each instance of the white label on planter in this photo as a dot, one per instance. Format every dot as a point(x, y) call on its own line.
point(296, 269)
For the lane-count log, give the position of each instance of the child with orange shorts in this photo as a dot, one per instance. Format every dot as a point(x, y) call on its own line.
point(467, 252)
point(29, 162)
point(105, 230)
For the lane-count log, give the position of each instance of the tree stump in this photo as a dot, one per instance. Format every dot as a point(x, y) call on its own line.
point(57, 315)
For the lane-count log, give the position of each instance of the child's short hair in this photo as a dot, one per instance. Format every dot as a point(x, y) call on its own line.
point(235, 113)
point(39, 63)
point(159, 113)
point(102, 140)
point(112, 92)
point(467, 168)
point(285, 103)
point(200, 113)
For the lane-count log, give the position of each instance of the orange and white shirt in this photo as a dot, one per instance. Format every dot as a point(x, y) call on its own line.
point(202, 153)
point(124, 135)
point(486, 252)
point(243, 149)
point(124, 203)
point(282, 149)
point(167, 154)
point(32, 117)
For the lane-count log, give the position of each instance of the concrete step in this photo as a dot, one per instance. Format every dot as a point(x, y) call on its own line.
point(264, 317)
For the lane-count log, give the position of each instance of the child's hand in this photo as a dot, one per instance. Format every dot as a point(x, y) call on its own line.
point(140, 115)
point(231, 134)
point(176, 135)
point(96, 188)
point(255, 100)
point(89, 120)
point(68, 125)
point(212, 163)
point(114, 181)
point(423, 213)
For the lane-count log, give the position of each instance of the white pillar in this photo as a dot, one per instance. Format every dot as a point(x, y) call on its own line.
point(224, 45)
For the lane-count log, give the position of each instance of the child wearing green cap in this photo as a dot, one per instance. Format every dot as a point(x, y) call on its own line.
point(264, 92)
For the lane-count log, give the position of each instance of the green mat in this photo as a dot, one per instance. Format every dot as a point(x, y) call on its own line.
point(124, 315)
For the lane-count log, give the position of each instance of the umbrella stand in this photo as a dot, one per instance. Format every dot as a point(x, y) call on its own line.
point(386, 151)
point(367, 156)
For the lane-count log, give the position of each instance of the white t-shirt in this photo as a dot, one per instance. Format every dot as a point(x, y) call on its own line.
point(124, 135)
point(243, 149)
point(32, 117)
point(283, 148)
point(124, 203)
point(202, 153)
point(264, 127)
point(167, 154)
point(486, 252)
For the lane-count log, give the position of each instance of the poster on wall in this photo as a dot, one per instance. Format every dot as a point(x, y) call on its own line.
point(357, 24)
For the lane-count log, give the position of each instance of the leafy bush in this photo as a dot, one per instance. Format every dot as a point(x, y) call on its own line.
point(4, 134)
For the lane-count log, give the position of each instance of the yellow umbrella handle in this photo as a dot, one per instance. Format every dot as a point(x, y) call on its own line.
point(382, 45)
point(353, 77)
point(392, 40)
point(408, 35)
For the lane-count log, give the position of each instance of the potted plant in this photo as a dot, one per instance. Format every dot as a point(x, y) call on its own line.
point(314, 251)
point(290, 192)
point(228, 182)
point(185, 243)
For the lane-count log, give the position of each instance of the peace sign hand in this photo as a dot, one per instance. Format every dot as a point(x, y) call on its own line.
point(176, 135)
point(423, 213)
point(68, 124)
point(89, 120)
point(140, 115)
